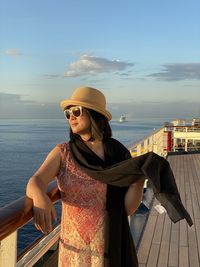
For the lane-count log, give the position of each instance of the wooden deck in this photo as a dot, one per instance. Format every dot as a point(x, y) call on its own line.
point(165, 244)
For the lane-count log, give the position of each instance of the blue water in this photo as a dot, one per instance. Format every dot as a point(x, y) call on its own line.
point(24, 144)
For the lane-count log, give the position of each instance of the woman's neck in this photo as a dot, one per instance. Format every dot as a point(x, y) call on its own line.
point(90, 141)
point(87, 138)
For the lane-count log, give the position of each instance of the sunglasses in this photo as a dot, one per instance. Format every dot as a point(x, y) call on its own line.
point(75, 111)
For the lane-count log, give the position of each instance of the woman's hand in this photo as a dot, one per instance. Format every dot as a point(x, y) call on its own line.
point(43, 213)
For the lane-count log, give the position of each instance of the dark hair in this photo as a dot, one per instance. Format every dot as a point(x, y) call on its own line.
point(101, 123)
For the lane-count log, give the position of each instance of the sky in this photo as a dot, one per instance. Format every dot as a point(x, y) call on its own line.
point(143, 55)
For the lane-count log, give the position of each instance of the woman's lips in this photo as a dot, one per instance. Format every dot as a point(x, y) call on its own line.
point(74, 124)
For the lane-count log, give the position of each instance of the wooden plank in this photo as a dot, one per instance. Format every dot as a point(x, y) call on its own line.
point(145, 244)
point(166, 230)
point(183, 257)
point(174, 246)
point(164, 248)
point(153, 255)
point(197, 224)
point(155, 246)
point(183, 234)
point(158, 229)
point(163, 255)
point(193, 251)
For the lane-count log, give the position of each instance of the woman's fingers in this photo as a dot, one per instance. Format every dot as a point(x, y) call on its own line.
point(42, 209)
point(42, 220)
point(47, 220)
point(36, 217)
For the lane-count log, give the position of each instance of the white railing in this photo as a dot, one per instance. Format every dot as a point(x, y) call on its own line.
point(165, 140)
point(38, 250)
point(156, 142)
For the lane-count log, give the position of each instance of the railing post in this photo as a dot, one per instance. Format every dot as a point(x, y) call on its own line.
point(8, 250)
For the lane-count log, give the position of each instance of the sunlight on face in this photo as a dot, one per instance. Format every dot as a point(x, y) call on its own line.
point(81, 125)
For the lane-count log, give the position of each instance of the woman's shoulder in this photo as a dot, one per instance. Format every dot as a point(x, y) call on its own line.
point(62, 146)
point(63, 149)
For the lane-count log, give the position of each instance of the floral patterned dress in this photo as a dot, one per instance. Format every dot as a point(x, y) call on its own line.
point(83, 215)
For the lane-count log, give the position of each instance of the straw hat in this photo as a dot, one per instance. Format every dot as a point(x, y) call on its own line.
point(87, 97)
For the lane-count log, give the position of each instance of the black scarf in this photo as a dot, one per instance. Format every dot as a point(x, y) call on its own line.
point(118, 171)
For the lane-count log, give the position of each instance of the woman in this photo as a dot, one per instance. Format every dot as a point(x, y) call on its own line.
point(92, 210)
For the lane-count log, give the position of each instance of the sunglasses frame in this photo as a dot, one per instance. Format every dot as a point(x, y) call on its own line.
point(71, 110)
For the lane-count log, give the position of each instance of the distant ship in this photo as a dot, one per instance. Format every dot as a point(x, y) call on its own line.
point(122, 118)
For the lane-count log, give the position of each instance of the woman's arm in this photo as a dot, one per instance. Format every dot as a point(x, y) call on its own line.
point(134, 196)
point(43, 208)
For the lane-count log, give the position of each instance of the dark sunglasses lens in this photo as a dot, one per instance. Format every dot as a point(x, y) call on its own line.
point(76, 112)
point(67, 114)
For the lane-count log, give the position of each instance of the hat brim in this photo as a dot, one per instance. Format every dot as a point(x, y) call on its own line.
point(66, 103)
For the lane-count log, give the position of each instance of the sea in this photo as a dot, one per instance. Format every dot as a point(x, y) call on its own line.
point(25, 143)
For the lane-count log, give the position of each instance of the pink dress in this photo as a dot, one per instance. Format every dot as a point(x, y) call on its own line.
point(83, 215)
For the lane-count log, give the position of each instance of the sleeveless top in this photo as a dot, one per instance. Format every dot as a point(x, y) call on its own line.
point(83, 218)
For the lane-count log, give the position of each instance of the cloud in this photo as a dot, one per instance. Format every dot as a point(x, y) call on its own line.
point(13, 106)
point(95, 65)
point(13, 52)
point(11, 100)
point(51, 76)
point(6, 97)
point(178, 72)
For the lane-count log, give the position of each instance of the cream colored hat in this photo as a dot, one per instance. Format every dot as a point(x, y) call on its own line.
point(89, 98)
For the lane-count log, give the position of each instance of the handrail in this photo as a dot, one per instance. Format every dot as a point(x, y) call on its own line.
point(19, 212)
point(157, 140)
point(34, 252)
point(35, 243)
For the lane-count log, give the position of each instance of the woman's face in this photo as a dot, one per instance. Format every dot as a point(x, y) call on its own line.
point(80, 125)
